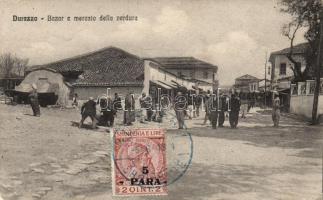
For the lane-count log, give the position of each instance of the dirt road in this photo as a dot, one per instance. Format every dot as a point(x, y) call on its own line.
point(48, 158)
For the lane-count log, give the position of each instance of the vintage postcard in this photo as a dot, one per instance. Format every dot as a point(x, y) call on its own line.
point(165, 99)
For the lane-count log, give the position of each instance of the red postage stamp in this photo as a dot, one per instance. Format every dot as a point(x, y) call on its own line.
point(139, 162)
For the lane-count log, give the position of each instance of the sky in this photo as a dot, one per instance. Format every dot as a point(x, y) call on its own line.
point(235, 35)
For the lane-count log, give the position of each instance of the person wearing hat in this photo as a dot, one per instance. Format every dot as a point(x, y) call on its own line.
point(234, 113)
point(88, 109)
point(129, 112)
point(213, 110)
point(34, 102)
point(180, 106)
point(143, 107)
point(107, 110)
point(222, 108)
point(276, 109)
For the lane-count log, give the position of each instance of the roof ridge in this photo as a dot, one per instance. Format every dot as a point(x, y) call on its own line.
point(86, 55)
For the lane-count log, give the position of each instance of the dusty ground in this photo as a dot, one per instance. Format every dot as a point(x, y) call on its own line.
point(48, 158)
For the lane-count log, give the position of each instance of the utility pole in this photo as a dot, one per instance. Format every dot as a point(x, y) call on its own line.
point(318, 72)
point(265, 80)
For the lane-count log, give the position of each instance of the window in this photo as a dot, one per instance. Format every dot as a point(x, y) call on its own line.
point(205, 74)
point(269, 70)
point(282, 69)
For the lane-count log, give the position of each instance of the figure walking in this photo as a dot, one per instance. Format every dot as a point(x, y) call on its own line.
point(34, 102)
point(276, 110)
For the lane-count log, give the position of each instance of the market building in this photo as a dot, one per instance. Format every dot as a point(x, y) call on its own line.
point(111, 70)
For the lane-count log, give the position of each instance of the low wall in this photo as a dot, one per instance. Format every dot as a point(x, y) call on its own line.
point(303, 105)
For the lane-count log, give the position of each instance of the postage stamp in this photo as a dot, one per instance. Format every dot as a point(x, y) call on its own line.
point(139, 162)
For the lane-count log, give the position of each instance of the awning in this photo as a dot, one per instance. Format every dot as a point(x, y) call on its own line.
point(197, 88)
point(41, 88)
point(168, 84)
point(161, 84)
point(24, 87)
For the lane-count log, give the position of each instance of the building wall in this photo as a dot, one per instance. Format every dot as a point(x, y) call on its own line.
point(196, 74)
point(302, 95)
point(37, 77)
point(283, 59)
point(153, 71)
point(85, 92)
point(303, 105)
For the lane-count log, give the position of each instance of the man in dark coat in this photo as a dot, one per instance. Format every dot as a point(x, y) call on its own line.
point(34, 102)
point(205, 100)
point(222, 109)
point(234, 113)
point(117, 102)
point(213, 110)
point(129, 112)
point(198, 101)
point(107, 111)
point(88, 110)
point(180, 106)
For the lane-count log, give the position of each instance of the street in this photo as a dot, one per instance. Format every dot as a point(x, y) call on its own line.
point(48, 158)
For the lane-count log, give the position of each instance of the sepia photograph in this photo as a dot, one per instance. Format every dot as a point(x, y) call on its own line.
point(161, 99)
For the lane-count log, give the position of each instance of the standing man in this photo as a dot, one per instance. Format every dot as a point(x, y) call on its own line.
point(180, 106)
point(198, 102)
point(34, 102)
point(117, 102)
point(222, 109)
point(129, 112)
point(276, 110)
point(75, 101)
point(234, 113)
point(206, 101)
point(107, 111)
point(143, 107)
point(213, 110)
point(88, 110)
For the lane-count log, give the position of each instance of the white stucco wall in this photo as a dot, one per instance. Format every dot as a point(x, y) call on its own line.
point(198, 74)
point(303, 105)
point(283, 59)
point(153, 72)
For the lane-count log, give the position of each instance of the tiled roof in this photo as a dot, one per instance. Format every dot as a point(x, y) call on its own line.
point(108, 66)
point(297, 49)
point(183, 63)
point(246, 77)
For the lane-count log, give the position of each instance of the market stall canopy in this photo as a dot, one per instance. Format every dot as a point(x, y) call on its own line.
point(161, 84)
point(24, 88)
point(41, 88)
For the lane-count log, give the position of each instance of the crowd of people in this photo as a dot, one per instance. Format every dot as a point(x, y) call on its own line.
point(185, 105)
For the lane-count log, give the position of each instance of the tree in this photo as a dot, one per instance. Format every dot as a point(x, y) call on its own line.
point(306, 14)
point(11, 65)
